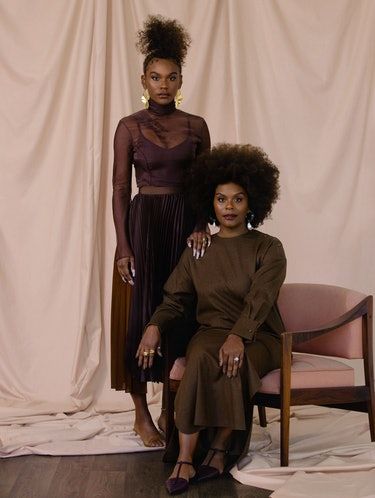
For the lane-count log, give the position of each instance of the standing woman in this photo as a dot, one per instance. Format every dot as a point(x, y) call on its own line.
point(161, 142)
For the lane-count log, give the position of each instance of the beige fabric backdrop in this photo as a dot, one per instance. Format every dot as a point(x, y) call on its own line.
point(293, 76)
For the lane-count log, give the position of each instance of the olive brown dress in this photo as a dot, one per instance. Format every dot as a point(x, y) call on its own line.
point(234, 288)
point(159, 144)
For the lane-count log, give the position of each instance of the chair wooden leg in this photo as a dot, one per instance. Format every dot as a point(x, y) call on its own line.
point(371, 402)
point(262, 416)
point(169, 410)
point(170, 417)
point(371, 418)
point(369, 365)
point(284, 435)
point(285, 399)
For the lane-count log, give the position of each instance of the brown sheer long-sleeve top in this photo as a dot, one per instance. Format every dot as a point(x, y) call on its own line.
point(161, 143)
point(234, 287)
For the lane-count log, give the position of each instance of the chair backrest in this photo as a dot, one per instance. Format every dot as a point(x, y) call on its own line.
point(307, 306)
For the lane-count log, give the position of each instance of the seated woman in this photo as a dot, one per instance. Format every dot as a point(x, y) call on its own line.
point(234, 289)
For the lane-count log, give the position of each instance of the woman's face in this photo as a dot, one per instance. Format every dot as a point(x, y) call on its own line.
point(162, 80)
point(231, 207)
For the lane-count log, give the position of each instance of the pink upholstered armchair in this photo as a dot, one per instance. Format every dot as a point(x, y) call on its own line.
point(321, 321)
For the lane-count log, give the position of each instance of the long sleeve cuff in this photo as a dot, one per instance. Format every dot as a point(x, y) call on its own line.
point(245, 327)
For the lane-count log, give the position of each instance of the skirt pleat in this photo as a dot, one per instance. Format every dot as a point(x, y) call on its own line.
point(120, 310)
point(158, 226)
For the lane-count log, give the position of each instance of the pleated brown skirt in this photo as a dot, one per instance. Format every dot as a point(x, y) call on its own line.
point(159, 225)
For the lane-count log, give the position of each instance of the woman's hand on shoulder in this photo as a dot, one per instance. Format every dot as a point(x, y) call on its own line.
point(231, 355)
point(148, 347)
point(199, 241)
point(126, 269)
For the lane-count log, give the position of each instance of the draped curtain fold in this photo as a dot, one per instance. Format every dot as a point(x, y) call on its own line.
point(295, 77)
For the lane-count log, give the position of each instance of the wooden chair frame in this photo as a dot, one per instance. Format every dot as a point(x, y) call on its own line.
point(357, 398)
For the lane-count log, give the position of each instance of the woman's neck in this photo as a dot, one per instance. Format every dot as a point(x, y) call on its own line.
point(227, 233)
point(161, 109)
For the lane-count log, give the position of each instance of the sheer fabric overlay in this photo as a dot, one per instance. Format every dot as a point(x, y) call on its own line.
point(161, 142)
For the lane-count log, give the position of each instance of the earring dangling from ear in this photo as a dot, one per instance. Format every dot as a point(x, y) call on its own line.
point(213, 221)
point(145, 98)
point(178, 98)
point(249, 219)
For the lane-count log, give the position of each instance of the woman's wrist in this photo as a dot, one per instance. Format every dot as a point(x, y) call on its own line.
point(235, 336)
point(153, 328)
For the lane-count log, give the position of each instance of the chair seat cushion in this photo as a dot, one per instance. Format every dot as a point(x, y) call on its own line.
point(309, 371)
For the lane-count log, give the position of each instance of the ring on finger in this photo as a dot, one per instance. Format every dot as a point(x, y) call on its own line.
point(145, 353)
point(236, 359)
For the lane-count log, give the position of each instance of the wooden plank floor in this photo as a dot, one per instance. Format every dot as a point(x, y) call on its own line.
point(133, 475)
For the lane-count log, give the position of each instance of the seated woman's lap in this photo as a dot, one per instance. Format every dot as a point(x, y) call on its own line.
point(206, 396)
point(263, 353)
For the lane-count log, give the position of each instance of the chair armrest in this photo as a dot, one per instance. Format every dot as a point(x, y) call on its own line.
point(361, 309)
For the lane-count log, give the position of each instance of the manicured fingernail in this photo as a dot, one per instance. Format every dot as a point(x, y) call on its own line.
point(189, 244)
point(194, 253)
point(202, 253)
point(133, 273)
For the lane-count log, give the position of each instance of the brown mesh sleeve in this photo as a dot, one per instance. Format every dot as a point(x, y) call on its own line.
point(205, 138)
point(122, 172)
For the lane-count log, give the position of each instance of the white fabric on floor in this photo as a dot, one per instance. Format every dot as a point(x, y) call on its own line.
point(318, 485)
point(83, 433)
point(324, 443)
point(330, 453)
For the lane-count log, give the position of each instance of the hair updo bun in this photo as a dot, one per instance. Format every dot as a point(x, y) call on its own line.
point(163, 38)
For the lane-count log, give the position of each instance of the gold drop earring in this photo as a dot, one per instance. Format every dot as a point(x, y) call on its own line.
point(178, 98)
point(145, 98)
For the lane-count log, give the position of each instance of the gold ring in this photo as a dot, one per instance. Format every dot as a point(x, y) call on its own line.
point(145, 353)
point(152, 351)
